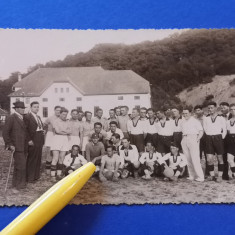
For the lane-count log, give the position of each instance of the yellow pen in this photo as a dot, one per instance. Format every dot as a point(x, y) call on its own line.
point(50, 203)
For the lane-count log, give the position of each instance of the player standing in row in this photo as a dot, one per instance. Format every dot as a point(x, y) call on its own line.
point(60, 143)
point(87, 127)
point(165, 130)
point(215, 129)
point(122, 120)
point(48, 125)
point(231, 140)
point(137, 130)
point(151, 128)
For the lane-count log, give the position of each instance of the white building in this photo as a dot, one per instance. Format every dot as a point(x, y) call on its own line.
point(85, 88)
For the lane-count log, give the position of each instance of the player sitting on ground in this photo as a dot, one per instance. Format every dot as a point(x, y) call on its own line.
point(131, 158)
point(109, 165)
point(177, 162)
point(149, 162)
point(73, 160)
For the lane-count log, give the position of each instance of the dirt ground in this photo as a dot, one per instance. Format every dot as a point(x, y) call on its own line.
point(128, 191)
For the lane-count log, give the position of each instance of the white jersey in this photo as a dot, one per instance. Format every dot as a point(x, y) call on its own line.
point(231, 126)
point(151, 127)
point(178, 124)
point(174, 161)
point(166, 128)
point(70, 161)
point(215, 126)
point(136, 127)
point(131, 154)
point(149, 158)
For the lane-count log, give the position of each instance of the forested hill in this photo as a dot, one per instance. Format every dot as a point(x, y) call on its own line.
point(170, 65)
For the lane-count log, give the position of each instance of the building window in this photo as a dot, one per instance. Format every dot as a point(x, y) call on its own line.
point(137, 106)
point(136, 97)
point(79, 98)
point(44, 99)
point(56, 90)
point(95, 109)
point(45, 112)
point(120, 97)
point(67, 89)
point(62, 99)
point(79, 108)
point(27, 100)
point(61, 89)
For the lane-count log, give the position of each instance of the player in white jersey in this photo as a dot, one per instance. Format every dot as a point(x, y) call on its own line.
point(165, 130)
point(49, 137)
point(151, 128)
point(215, 129)
point(224, 108)
point(137, 130)
point(176, 163)
point(231, 139)
point(73, 160)
point(60, 144)
point(177, 119)
point(149, 162)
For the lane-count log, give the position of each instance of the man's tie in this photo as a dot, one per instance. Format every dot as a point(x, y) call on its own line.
point(39, 123)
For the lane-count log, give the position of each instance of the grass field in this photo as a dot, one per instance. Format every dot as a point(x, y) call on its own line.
point(128, 191)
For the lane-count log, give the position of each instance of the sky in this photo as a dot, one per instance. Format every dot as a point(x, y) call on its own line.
point(21, 48)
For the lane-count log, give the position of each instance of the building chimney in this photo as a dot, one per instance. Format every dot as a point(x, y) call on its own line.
point(19, 77)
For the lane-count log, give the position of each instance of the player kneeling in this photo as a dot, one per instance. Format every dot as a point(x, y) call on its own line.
point(73, 161)
point(176, 163)
point(109, 165)
point(149, 164)
point(130, 154)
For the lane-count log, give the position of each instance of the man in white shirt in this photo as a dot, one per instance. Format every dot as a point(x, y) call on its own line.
point(151, 128)
point(137, 130)
point(76, 129)
point(130, 155)
point(177, 119)
point(173, 164)
point(224, 108)
point(113, 129)
point(112, 118)
point(149, 164)
point(73, 160)
point(60, 144)
point(99, 118)
point(122, 120)
point(215, 129)
point(165, 130)
point(48, 124)
point(231, 139)
point(192, 132)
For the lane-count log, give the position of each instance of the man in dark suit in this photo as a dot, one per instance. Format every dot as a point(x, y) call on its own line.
point(15, 138)
point(35, 131)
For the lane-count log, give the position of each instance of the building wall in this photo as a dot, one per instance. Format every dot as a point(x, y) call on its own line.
point(72, 99)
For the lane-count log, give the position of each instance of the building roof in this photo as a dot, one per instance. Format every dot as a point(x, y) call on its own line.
point(3, 112)
point(87, 80)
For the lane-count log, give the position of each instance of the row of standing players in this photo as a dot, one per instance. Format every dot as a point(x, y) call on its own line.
point(150, 132)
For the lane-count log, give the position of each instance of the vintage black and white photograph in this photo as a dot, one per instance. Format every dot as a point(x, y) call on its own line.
point(154, 110)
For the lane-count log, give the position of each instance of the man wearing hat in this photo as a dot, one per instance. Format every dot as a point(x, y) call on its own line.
point(15, 138)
